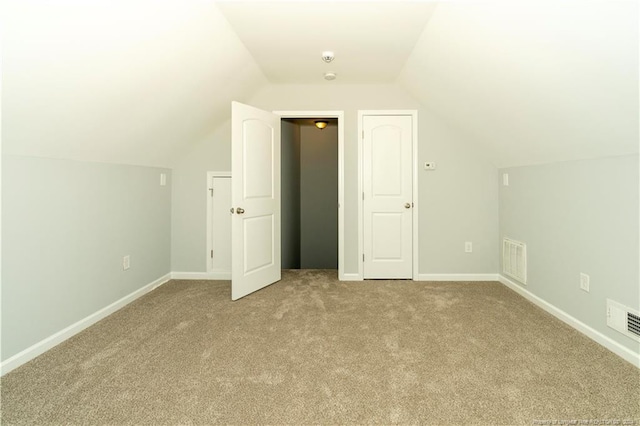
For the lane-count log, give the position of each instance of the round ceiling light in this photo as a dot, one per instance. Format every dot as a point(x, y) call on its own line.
point(327, 56)
point(329, 76)
point(321, 124)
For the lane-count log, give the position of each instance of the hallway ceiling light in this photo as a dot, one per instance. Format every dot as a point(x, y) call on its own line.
point(320, 124)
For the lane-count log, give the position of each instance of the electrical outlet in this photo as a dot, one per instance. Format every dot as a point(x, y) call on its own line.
point(126, 262)
point(429, 165)
point(505, 179)
point(163, 179)
point(584, 282)
point(468, 247)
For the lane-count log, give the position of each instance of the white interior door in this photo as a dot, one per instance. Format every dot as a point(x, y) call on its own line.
point(388, 199)
point(255, 223)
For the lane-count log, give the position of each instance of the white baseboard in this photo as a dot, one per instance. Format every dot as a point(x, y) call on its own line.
point(44, 345)
point(213, 275)
point(457, 277)
point(615, 347)
point(351, 277)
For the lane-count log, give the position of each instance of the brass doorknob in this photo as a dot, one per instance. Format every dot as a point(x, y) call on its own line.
point(239, 210)
point(407, 205)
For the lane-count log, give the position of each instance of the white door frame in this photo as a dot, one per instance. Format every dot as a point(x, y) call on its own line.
point(214, 275)
point(340, 116)
point(414, 119)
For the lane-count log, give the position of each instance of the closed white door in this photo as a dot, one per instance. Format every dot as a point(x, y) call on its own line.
point(220, 252)
point(388, 199)
point(255, 170)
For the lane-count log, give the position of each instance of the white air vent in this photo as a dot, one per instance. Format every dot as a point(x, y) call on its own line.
point(514, 259)
point(623, 319)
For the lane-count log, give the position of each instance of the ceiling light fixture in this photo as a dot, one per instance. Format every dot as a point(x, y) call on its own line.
point(327, 56)
point(320, 124)
point(329, 76)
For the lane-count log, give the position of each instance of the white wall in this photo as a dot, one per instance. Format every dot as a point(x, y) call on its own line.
point(578, 217)
point(66, 226)
point(189, 198)
point(459, 200)
point(533, 82)
point(121, 81)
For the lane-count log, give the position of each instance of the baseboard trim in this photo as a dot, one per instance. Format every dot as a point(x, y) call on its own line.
point(55, 339)
point(351, 277)
point(457, 277)
point(213, 275)
point(615, 347)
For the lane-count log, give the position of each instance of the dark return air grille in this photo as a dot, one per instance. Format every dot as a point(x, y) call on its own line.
point(633, 323)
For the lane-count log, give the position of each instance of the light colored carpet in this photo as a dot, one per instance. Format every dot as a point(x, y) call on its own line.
point(313, 350)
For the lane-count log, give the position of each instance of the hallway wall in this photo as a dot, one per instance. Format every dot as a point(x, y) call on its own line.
point(319, 197)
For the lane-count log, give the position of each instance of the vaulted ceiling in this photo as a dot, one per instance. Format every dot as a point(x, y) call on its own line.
point(371, 40)
point(140, 81)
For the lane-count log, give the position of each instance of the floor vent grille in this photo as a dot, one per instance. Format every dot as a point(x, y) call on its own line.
point(623, 319)
point(514, 259)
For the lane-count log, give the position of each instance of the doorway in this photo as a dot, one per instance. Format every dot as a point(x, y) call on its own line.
point(338, 116)
point(309, 193)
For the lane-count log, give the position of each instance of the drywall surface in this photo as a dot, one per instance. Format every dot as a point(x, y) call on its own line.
point(66, 227)
point(534, 82)
point(189, 198)
point(127, 82)
point(290, 195)
point(578, 217)
point(319, 197)
point(458, 200)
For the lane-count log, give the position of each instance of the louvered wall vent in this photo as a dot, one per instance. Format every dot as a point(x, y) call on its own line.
point(514, 259)
point(623, 319)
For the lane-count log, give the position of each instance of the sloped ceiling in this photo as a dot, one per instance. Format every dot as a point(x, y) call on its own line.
point(532, 82)
point(371, 39)
point(123, 81)
point(141, 81)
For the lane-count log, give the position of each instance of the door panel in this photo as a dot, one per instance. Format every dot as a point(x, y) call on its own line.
point(388, 196)
point(258, 234)
point(387, 243)
point(255, 168)
point(257, 149)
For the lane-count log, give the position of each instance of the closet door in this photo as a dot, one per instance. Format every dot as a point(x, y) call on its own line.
point(388, 198)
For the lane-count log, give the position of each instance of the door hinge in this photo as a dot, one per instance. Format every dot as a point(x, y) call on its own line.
point(363, 257)
point(211, 189)
point(363, 195)
point(212, 254)
point(363, 135)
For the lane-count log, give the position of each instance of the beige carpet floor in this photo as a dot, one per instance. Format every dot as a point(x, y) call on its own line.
point(313, 350)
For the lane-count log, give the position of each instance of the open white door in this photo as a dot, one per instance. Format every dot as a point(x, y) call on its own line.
point(255, 169)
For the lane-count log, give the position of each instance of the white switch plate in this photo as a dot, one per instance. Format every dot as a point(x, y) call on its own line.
point(505, 179)
point(584, 282)
point(468, 247)
point(429, 165)
point(163, 179)
point(126, 262)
